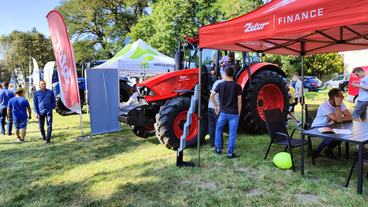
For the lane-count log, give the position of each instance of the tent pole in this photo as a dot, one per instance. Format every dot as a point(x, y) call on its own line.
point(199, 107)
point(302, 100)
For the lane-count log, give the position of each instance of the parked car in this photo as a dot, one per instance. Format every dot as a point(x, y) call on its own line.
point(335, 82)
point(343, 85)
point(353, 91)
point(312, 83)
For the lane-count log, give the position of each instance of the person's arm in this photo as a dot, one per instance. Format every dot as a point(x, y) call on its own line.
point(347, 115)
point(35, 106)
point(212, 99)
point(29, 112)
point(239, 104)
point(336, 117)
point(53, 100)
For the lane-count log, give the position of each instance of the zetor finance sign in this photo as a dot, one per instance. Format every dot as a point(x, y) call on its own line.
point(69, 92)
point(283, 20)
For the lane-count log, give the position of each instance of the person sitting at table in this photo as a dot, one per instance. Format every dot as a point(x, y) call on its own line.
point(330, 112)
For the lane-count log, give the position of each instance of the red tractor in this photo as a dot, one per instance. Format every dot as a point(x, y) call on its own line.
point(165, 100)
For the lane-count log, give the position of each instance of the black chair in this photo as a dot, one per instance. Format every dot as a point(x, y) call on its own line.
point(279, 133)
point(310, 115)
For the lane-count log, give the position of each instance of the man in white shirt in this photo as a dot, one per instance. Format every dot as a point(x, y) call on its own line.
point(360, 111)
point(330, 112)
point(212, 116)
point(298, 88)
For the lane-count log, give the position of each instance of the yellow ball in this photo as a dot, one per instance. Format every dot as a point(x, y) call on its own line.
point(282, 160)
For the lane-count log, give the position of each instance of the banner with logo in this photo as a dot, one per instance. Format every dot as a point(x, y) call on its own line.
point(48, 69)
point(64, 58)
point(36, 75)
point(281, 26)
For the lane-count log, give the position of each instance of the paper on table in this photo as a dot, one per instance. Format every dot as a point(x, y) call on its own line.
point(342, 131)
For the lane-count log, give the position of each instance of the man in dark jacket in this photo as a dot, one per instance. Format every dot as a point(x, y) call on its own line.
point(44, 102)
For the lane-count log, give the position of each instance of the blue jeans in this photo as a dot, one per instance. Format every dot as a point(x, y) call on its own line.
point(41, 124)
point(223, 119)
point(330, 144)
point(3, 116)
point(360, 110)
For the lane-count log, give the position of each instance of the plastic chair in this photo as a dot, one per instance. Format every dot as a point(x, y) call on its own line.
point(279, 133)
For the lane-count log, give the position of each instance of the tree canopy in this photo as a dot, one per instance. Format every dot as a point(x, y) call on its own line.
point(98, 29)
point(19, 47)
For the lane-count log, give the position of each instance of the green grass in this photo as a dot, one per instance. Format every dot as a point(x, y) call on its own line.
point(119, 169)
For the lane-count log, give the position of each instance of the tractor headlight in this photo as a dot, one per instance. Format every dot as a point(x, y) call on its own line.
point(145, 91)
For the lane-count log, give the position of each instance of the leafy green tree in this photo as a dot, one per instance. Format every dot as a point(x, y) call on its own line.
point(172, 19)
point(324, 64)
point(103, 24)
point(19, 47)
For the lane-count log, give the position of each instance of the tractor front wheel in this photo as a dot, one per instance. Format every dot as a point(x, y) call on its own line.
point(170, 123)
point(266, 91)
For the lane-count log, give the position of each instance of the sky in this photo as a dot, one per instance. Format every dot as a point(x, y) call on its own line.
point(23, 15)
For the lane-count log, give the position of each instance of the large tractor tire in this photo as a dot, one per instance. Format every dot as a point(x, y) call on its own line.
point(266, 91)
point(125, 91)
point(170, 122)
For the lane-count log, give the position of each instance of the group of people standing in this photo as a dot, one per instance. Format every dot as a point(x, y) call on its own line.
point(16, 110)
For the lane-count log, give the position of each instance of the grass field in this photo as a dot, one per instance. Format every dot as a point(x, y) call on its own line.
point(119, 169)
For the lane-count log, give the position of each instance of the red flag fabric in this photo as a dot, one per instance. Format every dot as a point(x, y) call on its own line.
point(64, 58)
point(294, 27)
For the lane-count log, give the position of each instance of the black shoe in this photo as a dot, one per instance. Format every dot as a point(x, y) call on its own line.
point(10, 134)
point(330, 154)
point(48, 142)
point(212, 145)
point(219, 152)
point(2, 133)
point(232, 156)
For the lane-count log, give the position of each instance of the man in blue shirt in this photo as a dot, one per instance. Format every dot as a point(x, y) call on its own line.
point(5, 95)
point(17, 110)
point(44, 102)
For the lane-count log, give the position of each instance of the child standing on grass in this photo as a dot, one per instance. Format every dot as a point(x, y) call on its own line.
point(17, 110)
point(359, 113)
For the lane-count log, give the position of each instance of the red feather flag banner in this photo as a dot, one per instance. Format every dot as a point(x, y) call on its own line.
point(64, 58)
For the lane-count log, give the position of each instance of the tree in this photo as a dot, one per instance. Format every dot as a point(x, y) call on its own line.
point(323, 64)
point(172, 19)
point(18, 47)
point(103, 24)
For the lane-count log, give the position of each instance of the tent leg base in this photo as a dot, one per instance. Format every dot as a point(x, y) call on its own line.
point(181, 163)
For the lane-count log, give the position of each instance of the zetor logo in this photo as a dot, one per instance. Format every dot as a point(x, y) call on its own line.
point(250, 27)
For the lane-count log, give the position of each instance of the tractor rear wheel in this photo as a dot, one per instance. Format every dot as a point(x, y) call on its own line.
point(170, 123)
point(266, 91)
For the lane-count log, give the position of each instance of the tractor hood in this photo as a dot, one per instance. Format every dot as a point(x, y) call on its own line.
point(165, 86)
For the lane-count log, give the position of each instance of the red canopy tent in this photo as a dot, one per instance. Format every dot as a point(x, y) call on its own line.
point(292, 27)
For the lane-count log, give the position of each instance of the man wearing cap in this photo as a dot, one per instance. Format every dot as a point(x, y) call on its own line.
point(5, 95)
point(44, 102)
point(17, 110)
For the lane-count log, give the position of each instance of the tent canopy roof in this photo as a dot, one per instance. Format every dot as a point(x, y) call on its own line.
point(293, 27)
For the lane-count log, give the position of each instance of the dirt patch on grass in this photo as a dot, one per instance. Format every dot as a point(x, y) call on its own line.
point(208, 186)
point(255, 193)
point(308, 198)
